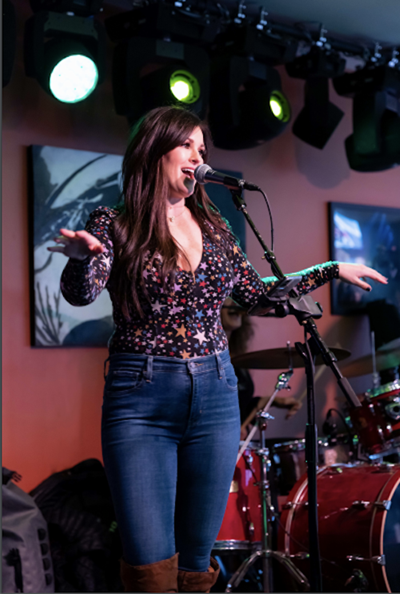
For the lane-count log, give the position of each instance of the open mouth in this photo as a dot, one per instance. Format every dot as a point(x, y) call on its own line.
point(189, 173)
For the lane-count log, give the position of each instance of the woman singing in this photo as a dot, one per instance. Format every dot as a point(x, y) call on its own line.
point(171, 423)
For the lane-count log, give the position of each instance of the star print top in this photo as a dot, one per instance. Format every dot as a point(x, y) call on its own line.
point(183, 322)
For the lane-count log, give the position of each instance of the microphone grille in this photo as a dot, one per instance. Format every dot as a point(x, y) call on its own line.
point(200, 173)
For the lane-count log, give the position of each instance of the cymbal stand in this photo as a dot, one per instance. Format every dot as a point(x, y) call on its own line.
point(267, 514)
point(283, 381)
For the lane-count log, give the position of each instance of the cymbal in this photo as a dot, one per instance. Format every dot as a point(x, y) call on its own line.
point(389, 346)
point(279, 358)
point(363, 365)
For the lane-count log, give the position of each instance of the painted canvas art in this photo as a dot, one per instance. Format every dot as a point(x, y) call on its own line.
point(66, 186)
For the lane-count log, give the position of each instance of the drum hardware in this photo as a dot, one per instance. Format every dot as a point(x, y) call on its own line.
point(393, 409)
point(380, 559)
point(301, 555)
point(360, 504)
point(376, 378)
point(357, 582)
point(282, 383)
point(267, 514)
point(384, 505)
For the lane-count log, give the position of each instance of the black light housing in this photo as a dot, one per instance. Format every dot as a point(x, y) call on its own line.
point(247, 106)
point(319, 117)
point(9, 39)
point(142, 71)
point(375, 142)
point(82, 8)
point(52, 36)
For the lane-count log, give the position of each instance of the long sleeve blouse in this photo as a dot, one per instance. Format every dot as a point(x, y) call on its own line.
point(185, 321)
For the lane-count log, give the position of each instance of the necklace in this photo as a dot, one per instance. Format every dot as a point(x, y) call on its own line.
point(172, 219)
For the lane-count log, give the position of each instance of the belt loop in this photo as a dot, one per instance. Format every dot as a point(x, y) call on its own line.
point(105, 365)
point(219, 366)
point(148, 372)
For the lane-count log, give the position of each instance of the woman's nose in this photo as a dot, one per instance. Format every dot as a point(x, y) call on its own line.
point(196, 156)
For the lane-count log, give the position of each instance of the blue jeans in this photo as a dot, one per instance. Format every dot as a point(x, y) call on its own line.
point(170, 436)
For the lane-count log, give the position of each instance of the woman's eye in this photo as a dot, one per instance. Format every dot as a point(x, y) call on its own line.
point(186, 144)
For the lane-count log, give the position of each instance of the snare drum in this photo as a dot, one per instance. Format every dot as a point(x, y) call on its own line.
point(359, 526)
point(241, 527)
point(377, 420)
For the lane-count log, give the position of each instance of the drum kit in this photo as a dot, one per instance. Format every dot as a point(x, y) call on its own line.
point(358, 486)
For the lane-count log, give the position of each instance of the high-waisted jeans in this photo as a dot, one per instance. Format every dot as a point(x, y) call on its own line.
point(170, 436)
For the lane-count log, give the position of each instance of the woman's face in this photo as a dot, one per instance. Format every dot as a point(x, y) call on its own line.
point(180, 163)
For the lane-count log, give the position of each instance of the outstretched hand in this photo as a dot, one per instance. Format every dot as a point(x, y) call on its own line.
point(355, 273)
point(77, 244)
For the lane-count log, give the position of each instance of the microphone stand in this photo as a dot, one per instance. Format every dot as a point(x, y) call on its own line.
point(285, 300)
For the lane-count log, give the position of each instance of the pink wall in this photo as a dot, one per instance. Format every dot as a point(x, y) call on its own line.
point(52, 397)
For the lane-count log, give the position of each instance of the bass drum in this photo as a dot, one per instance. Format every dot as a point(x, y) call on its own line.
point(359, 527)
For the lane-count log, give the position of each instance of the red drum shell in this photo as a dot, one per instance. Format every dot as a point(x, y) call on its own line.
point(375, 422)
point(241, 526)
point(350, 523)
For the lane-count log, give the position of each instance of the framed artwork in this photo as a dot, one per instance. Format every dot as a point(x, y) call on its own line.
point(367, 235)
point(66, 185)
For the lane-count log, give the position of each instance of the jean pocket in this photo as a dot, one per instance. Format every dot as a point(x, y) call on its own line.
point(229, 377)
point(119, 381)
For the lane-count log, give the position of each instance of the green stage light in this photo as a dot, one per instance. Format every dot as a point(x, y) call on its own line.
point(73, 78)
point(247, 105)
point(149, 73)
point(184, 86)
point(279, 106)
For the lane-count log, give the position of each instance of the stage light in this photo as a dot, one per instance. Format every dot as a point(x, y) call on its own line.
point(319, 117)
point(185, 87)
point(149, 73)
point(375, 142)
point(247, 105)
point(73, 78)
point(9, 40)
point(65, 53)
point(279, 106)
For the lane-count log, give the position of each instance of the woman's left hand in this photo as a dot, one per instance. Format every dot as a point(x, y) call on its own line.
point(355, 273)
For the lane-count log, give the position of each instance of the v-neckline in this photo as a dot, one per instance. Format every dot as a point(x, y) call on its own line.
point(193, 272)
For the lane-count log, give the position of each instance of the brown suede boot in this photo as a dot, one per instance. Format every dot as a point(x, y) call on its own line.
point(198, 581)
point(161, 576)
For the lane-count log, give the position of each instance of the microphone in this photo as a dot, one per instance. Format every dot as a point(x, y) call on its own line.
point(204, 174)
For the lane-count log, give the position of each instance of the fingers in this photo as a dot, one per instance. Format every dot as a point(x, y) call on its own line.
point(375, 275)
point(56, 249)
point(61, 239)
point(67, 233)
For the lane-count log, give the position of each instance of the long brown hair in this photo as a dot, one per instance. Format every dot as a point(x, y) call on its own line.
point(141, 230)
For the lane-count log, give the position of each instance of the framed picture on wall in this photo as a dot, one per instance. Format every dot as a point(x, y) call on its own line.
point(367, 235)
point(66, 185)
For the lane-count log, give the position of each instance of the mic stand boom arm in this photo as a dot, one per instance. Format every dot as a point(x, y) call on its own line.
point(304, 309)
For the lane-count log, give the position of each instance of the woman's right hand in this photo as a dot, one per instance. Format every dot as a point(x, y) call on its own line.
point(77, 244)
